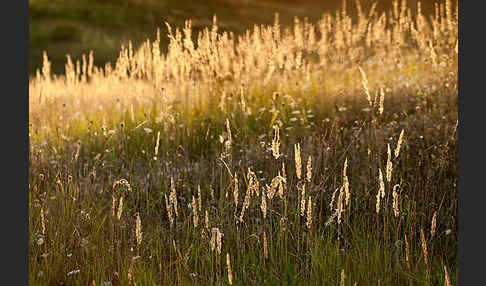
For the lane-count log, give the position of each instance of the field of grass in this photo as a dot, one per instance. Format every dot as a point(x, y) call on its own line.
point(78, 26)
point(324, 153)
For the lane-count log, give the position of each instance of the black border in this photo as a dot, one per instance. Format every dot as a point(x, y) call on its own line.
point(14, 24)
point(468, 214)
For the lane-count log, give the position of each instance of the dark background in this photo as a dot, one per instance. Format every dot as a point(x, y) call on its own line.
point(75, 27)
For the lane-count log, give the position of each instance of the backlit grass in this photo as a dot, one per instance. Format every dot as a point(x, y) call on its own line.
point(166, 167)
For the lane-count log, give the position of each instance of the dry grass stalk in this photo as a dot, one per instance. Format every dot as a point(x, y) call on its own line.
point(382, 100)
point(332, 198)
point(407, 253)
point(235, 191)
point(120, 208)
point(331, 218)
point(228, 265)
point(78, 148)
point(382, 184)
point(309, 169)
point(253, 184)
point(343, 276)
point(174, 245)
point(265, 245)
point(199, 198)
point(113, 205)
point(302, 200)
point(309, 213)
point(399, 144)
point(281, 183)
point(424, 247)
point(340, 206)
point(138, 229)
point(122, 182)
point(395, 201)
point(218, 240)
point(228, 129)
point(298, 161)
point(213, 238)
point(378, 201)
point(364, 82)
point(446, 276)
point(276, 143)
point(263, 206)
point(195, 217)
point(168, 207)
point(276, 185)
point(389, 165)
point(346, 181)
point(130, 268)
point(43, 224)
point(433, 54)
point(173, 196)
point(157, 142)
point(246, 203)
point(434, 224)
point(206, 219)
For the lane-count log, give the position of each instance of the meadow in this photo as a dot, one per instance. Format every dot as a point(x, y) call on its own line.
point(324, 153)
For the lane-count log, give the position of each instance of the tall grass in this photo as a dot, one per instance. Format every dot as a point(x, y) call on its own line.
point(322, 154)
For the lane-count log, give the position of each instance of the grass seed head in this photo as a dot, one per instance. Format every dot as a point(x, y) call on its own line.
point(378, 201)
point(382, 100)
point(399, 144)
point(228, 265)
point(302, 200)
point(434, 224)
point(276, 143)
point(157, 141)
point(446, 277)
point(424, 247)
point(43, 224)
point(309, 169)
point(382, 184)
point(407, 253)
point(340, 205)
point(389, 165)
point(263, 206)
point(138, 229)
point(346, 182)
point(173, 196)
point(235, 190)
point(120, 208)
point(332, 198)
point(342, 278)
point(113, 205)
point(298, 161)
point(194, 212)
point(265, 245)
point(395, 201)
point(199, 198)
point(309, 213)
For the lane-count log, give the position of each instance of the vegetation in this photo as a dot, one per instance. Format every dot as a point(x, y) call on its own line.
point(321, 154)
point(76, 27)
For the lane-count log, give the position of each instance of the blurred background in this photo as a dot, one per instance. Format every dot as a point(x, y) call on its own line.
point(75, 27)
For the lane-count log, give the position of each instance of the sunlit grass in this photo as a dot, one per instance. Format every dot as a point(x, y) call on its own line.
point(170, 137)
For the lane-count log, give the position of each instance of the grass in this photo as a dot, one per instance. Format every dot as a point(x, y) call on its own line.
point(160, 138)
point(103, 26)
